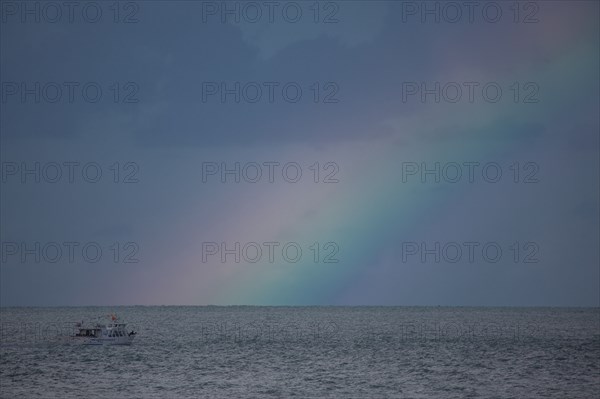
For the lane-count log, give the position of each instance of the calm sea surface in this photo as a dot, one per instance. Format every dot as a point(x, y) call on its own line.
point(316, 352)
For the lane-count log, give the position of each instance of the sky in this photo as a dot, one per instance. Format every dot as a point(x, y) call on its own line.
point(300, 153)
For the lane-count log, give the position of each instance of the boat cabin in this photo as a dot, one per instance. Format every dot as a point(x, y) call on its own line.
point(88, 332)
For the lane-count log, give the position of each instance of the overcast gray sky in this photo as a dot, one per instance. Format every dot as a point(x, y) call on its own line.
point(348, 152)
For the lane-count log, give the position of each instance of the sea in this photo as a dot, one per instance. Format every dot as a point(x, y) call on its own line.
point(304, 352)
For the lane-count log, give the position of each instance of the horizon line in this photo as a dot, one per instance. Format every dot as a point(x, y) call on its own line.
point(314, 306)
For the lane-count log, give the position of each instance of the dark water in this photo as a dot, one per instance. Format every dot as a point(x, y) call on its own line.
point(341, 352)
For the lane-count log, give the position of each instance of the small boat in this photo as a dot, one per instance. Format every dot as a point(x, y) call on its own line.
point(111, 333)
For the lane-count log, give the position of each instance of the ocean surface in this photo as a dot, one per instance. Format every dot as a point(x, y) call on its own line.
point(305, 352)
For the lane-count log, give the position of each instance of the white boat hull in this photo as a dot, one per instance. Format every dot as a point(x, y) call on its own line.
point(113, 333)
